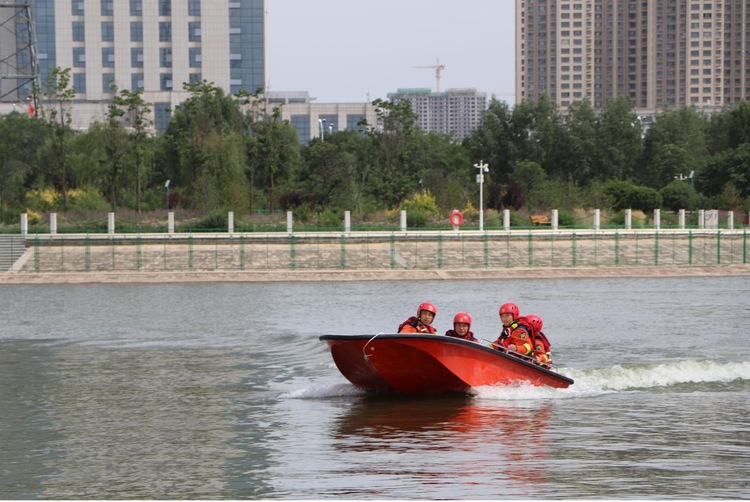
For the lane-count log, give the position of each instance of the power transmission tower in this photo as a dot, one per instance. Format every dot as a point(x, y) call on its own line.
point(19, 68)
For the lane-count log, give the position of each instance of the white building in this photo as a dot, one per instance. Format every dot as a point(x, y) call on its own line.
point(455, 112)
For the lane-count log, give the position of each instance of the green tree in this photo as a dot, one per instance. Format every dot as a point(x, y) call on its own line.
point(21, 137)
point(619, 141)
point(203, 152)
point(675, 144)
point(135, 113)
point(57, 97)
point(679, 195)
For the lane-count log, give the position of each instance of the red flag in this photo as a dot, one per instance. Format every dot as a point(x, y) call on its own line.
point(31, 109)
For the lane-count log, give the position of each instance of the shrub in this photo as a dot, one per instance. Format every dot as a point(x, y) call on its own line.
point(416, 219)
point(679, 195)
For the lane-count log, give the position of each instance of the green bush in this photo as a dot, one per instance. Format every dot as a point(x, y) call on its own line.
point(644, 198)
point(416, 219)
point(215, 220)
point(679, 195)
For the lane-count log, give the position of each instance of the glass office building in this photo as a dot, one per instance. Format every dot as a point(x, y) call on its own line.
point(157, 45)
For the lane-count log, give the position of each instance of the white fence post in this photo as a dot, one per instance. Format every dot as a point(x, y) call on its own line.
point(555, 219)
point(24, 223)
point(289, 222)
point(628, 219)
point(730, 219)
point(170, 222)
point(347, 221)
point(110, 223)
point(597, 219)
point(506, 219)
point(657, 219)
point(53, 223)
point(681, 219)
point(230, 222)
point(403, 221)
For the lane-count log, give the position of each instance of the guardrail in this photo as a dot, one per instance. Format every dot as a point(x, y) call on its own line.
point(382, 250)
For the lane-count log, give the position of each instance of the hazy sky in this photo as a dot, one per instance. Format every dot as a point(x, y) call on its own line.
point(360, 50)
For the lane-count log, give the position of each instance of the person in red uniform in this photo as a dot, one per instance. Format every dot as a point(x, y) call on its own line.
point(542, 350)
point(521, 338)
point(422, 322)
point(461, 327)
point(508, 314)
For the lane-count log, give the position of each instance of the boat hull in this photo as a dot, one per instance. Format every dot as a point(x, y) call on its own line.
point(418, 364)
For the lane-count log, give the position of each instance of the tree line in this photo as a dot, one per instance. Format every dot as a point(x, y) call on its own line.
point(233, 153)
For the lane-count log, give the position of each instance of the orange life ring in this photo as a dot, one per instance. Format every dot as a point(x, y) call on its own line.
point(456, 218)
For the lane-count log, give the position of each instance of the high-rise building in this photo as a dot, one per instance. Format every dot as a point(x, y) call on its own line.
point(659, 53)
point(154, 44)
point(455, 112)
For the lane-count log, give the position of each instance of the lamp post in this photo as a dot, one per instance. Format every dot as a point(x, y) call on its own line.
point(166, 185)
point(483, 168)
point(322, 124)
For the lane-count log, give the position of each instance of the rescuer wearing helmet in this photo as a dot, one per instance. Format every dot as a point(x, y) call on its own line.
point(461, 327)
point(542, 351)
point(422, 322)
point(508, 314)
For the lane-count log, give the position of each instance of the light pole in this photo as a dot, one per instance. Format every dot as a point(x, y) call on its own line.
point(483, 168)
point(321, 125)
point(166, 185)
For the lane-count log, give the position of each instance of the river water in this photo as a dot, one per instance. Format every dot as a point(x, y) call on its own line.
point(224, 391)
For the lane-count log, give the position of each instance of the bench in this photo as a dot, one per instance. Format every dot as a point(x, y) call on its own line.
point(540, 219)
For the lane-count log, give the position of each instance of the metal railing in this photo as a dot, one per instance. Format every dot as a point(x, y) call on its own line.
point(383, 250)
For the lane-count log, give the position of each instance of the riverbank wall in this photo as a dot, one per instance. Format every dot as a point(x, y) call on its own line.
point(373, 256)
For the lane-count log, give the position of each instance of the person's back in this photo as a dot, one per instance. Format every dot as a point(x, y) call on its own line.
point(422, 322)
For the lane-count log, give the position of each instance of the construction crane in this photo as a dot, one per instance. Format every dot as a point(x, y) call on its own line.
point(438, 68)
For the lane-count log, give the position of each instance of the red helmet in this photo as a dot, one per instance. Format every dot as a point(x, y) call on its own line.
point(462, 317)
point(535, 321)
point(429, 307)
point(509, 308)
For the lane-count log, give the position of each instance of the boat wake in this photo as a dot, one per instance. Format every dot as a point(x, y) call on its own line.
point(589, 382)
point(628, 378)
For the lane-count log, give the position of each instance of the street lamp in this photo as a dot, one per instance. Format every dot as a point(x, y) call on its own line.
point(321, 125)
point(166, 185)
point(483, 168)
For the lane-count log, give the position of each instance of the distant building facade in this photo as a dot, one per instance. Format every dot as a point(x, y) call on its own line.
point(156, 45)
point(318, 120)
point(455, 112)
point(660, 53)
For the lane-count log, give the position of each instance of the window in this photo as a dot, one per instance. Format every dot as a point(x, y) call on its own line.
point(136, 82)
point(108, 80)
point(194, 7)
point(107, 8)
point(77, 7)
point(195, 57)
point(79, 83)
point(136, 7)
point(194, 32)
point(79, 34)
point(108, 57)
point(136, 31)
point(79, 57)
point(165, 57)
point(165, 7)
point(165, 80)
point(194, 77)
point(165, 32)
point(108, 31)
point(136, 57)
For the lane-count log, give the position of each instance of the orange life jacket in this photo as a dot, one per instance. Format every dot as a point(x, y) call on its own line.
point(418, 326)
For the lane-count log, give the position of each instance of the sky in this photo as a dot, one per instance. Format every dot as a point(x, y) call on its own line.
point(354, 51)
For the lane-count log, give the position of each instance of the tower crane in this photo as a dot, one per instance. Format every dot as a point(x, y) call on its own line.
point(438, 68)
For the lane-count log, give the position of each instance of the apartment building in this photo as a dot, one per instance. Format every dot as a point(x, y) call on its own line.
point(455, 112)
point(154, 44)
point(659, 53)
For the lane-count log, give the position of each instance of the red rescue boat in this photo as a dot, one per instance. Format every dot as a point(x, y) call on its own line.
point(419, 364)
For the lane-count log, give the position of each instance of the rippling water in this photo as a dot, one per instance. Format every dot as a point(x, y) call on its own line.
point(224, 391)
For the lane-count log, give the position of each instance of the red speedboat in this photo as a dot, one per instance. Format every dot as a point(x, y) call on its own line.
point(418, 364)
